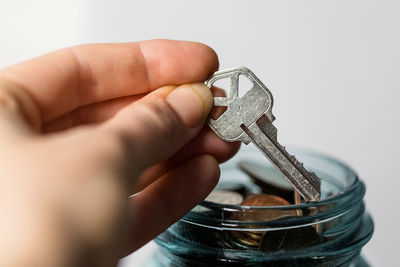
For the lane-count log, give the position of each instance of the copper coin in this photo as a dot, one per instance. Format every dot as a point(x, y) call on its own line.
point(296, 238)
point(264, 200)
point(246, 238)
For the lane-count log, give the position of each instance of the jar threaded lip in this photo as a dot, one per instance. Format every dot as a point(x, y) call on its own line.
point(331, 231)
point(349, 198)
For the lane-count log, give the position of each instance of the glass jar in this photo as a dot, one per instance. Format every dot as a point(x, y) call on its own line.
point(330, 232)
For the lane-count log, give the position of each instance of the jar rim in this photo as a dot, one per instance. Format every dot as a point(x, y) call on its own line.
point(326, 209)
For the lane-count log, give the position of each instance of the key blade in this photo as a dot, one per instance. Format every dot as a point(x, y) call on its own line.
point(306, 183)
point(270, 130)
point(239, 110)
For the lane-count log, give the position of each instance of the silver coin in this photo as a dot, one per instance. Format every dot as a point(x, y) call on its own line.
point(225, 197)
point(266, 175)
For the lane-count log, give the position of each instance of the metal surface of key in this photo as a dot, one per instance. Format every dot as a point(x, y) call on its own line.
point(249, 119)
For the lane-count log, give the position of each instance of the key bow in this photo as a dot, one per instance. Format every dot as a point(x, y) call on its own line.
point(240, 110)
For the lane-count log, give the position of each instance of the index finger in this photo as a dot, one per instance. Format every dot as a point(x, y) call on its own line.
point(67, 79)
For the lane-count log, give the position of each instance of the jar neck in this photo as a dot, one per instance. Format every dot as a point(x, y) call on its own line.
point(332, 230)
point(166, 259)
point(346, 204)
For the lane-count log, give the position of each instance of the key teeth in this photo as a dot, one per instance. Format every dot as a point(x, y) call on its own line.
point(314, 179)
point(282, 148)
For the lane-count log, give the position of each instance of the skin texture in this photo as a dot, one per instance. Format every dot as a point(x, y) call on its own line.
point(84, 128)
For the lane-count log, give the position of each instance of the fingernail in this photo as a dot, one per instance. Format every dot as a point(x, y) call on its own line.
point(192, 102)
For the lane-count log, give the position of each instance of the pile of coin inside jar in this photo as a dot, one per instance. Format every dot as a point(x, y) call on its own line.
point(274, 191)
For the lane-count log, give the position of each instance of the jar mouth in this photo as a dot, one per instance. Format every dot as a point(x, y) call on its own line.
point(347, 198)
point(329, 231)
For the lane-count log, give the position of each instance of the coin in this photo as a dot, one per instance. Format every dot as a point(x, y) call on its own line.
point(270, 180)
point(253, 239)
point(240, 187)
point(225, 197)
point(246, 238)
point(265, 200)
point(290, 239)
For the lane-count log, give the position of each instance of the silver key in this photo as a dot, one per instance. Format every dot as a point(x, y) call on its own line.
point(249, 119)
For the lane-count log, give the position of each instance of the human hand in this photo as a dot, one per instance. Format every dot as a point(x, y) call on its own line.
point(85, 127)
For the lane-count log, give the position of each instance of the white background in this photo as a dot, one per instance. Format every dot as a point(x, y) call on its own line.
point(332, 66)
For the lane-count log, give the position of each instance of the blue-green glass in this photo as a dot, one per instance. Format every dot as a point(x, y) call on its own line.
point(330, 232)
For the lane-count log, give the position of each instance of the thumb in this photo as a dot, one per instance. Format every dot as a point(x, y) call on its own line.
point(157, 126)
